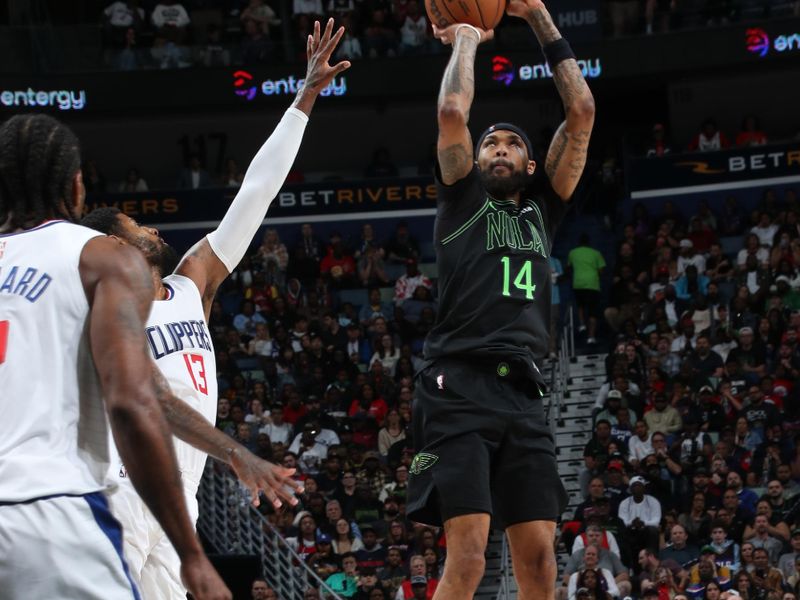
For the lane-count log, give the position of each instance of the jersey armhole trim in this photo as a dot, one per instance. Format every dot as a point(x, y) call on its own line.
point(468, 224)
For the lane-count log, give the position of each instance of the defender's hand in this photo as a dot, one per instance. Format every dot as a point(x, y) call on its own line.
point(202, 580)
point(260, 475)
point(318, 50)
point(448, 35)
point(522, 8)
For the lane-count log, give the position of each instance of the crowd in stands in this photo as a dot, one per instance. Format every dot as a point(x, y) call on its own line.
point(182, 33)
point(709, 138)
point(316, 348)
point(690, 480)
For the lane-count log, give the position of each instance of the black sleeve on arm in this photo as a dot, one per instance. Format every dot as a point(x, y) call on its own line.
point(457, 203)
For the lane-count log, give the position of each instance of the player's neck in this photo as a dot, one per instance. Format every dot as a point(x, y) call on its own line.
point(158, 284)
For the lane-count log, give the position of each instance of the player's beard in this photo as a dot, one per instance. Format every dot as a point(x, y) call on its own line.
point(504, 187)
point(166, 259)
point(162, 256)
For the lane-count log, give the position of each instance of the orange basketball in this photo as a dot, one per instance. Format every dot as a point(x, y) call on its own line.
point(485, 14)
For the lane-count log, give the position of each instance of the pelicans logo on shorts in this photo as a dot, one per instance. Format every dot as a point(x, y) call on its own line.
point(422, 461)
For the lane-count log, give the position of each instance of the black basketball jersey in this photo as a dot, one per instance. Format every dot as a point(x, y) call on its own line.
point(494, 275)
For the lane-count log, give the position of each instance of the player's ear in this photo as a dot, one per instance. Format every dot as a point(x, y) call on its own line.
point(531, 167)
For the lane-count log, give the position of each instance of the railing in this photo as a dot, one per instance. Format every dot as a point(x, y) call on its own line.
point(231, 524)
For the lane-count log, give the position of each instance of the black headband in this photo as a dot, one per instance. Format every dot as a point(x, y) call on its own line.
point(505, 127)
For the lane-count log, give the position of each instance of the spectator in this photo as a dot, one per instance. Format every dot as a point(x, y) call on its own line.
point(278, 431)
point(678, 549)
point(255, 46)
point(662, 417)
point(709, 139)
point(305, 543)
point(591, 559)
point(371, 268)
point(689, 256)
point(607, 560)
point(751, 133)
point(587, 264)
point(766, 576)
point(194, 176)
point(787, 563)
point(215, 54)
point(726, 552)
point(641, 513)
point(658, 145)
point(345, 583)
point(133, 182)
point(414, 31)
point(752, 248)
point(765, 230)
point(344, 540)
point(350, 46)
point(259, 590)
point(372, 555)
point(417, 569)
point(338, 267)
point(402, 245)
point(392, 432)
point(260, 13)
point(380, 40)
point(407, 284)
point(762, 539)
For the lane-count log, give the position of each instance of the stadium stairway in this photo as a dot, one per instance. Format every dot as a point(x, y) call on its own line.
point(573, 431)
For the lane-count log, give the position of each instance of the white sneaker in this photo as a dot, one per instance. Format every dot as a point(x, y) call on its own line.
point(591, 341)
point(582, 328)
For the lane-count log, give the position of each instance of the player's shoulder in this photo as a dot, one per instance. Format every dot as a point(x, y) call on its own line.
point(181, 284)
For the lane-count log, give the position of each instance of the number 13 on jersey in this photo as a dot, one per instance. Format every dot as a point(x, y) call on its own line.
point(523, 279)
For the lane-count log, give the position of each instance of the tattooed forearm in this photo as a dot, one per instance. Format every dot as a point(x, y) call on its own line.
point(452, 160)
point(570, 84)
point(459, 77)
point(566, 159)
point(542, 24)
point(557, 148)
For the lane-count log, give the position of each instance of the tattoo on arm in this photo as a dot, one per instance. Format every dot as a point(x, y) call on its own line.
point(452, 160)
point(542, 24)
point(570, 83)
point(566, 159)
point(459, 77)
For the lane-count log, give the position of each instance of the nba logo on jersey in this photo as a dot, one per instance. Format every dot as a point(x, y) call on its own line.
point(440, 381)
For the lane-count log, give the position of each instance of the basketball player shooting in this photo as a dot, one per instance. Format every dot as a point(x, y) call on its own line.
point(486, 455)
point(72, 309)
point(179, 341)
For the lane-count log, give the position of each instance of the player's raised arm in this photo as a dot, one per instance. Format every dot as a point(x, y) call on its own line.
point(119, 290)
point(213, 258)
point(566, 157)
point(454, 146)
point(190, 426)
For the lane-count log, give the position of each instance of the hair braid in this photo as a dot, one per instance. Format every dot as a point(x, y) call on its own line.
point(38, 158)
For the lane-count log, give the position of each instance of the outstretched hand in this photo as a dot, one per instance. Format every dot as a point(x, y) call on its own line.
point(262, 476)
point(448, 35)
point(319, 48)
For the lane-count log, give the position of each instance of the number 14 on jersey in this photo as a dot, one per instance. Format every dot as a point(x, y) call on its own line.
point(522, 281)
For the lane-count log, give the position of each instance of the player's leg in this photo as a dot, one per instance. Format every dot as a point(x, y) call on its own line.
point(534, 559)
point(64, 547)
point(136, 522)
point(466, 547)
point(527, 492)
point(161, 575)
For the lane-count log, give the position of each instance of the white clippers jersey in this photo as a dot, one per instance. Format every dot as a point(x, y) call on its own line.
point(179, 342)
point(53, 427)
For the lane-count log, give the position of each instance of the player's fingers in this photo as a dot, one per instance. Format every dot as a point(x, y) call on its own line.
point(326, 36)
point(272, 497)
point(316, 34)
point(254, 493)
point(489, 34)
point(339, 67)
point(331, 45)
point(309, 47)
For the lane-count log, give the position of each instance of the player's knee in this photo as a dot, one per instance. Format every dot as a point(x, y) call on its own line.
point(539, 570)
point(467, 564)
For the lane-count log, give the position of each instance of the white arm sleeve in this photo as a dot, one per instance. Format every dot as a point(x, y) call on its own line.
point(262, 181)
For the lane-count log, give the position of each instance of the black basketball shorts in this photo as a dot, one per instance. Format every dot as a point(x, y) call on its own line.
point(483, 446)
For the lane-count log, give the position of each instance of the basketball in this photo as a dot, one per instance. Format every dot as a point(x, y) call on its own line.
point(485, 14)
